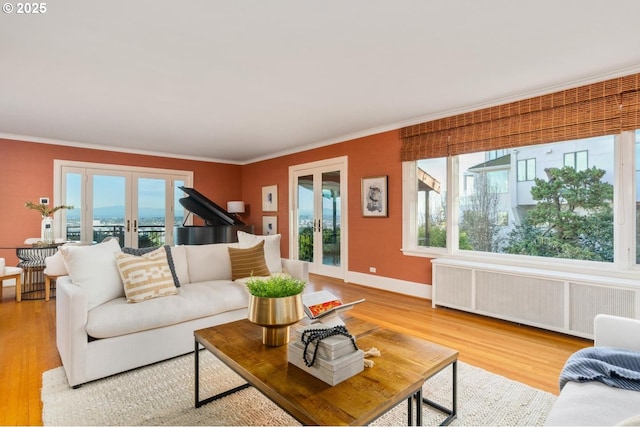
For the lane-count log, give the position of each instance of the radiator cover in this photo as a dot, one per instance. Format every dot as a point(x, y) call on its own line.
point(562, 302)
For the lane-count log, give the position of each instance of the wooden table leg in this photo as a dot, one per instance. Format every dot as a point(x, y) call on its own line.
point(18, 289)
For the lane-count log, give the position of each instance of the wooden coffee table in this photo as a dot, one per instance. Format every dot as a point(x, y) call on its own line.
point(406, 362)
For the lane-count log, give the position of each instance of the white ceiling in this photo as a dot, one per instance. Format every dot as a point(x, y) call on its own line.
point(240, 81)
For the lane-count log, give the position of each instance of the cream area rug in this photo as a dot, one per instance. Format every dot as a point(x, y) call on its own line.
point(163, 394)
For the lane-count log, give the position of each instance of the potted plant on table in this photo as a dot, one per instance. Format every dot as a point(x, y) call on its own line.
point(46, 232)
point(275, 304)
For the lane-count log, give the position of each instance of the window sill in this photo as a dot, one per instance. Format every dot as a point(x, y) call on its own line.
point(600, 269)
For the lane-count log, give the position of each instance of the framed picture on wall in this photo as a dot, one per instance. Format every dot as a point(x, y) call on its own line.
point(269, 225)
point(270, 198)
point(374, 197)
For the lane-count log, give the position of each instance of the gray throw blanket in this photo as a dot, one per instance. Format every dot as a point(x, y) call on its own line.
point(612, 366)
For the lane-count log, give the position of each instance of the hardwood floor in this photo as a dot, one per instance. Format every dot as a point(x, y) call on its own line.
point(27, 349)
point(529, 355)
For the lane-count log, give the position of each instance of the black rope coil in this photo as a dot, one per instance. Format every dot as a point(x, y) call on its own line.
point(316, 335)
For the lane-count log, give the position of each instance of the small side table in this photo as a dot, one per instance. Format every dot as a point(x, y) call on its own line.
point(36, 285)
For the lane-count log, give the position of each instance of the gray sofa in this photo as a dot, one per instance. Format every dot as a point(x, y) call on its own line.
point(594, 403)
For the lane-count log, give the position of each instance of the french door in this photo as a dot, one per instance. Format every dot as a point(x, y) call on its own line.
point(138, 206)
point(318, 203)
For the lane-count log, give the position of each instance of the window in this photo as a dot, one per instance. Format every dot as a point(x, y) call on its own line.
point(431, 205)
point(481, 211)
point(503, 218)
point(526, 170)
point(499, 180)
point(567, 213)
point(637, 195)
point(469, 184)
point(495, 154)
point(577, 160)
point(137, 205)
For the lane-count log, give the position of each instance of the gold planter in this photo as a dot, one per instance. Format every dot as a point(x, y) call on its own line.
point(275, 315)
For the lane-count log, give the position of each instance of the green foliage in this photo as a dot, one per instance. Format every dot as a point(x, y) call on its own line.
point(305, 241)
point(438, 237)
point(463, 241)
point(573, 218)
point(275, 286)
point(305, 244)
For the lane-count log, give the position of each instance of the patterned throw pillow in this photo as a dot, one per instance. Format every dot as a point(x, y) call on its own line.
point(167, 248)
point(248, 262)
point(146, 276)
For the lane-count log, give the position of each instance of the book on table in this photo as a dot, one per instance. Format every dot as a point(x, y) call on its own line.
point(333, 357)
point(318, 305)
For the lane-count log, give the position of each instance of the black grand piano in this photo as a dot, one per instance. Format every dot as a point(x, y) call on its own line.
point(220, 226)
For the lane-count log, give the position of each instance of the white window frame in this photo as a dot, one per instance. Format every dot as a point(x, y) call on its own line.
point(59, 191)
point(624, 221)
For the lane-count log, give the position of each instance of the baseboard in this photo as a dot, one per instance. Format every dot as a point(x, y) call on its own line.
point(419, 290)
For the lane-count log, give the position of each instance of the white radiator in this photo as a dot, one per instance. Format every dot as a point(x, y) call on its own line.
point(562, 302)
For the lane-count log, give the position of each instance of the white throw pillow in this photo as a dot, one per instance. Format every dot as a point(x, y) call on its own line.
point(54, 265)
point(209, 262)
point(271, 248)
point(94, 269)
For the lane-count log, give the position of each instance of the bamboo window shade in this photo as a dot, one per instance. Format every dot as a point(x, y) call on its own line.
point(592, 110)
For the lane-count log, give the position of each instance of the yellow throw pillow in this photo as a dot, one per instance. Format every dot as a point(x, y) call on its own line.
point(147, 276)
point(248, 262)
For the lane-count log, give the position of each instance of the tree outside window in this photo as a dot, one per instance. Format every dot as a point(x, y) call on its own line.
point(572, 219)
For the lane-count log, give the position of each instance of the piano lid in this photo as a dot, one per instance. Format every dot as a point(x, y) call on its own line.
point(211, 213)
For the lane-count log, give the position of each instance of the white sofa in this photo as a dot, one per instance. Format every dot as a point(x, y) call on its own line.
point(99, 333)
point(594, 403)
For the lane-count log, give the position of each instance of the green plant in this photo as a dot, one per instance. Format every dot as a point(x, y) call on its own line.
point(275, 286)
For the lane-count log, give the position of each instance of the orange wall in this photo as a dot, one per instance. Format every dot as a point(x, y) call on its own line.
point(373, 242)
point(26, 174)
point(27, 171)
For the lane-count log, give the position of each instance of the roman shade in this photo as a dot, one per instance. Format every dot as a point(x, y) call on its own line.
point(587, 111)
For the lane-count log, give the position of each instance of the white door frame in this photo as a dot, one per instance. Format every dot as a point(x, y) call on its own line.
point(131, 174)
point(337, 163)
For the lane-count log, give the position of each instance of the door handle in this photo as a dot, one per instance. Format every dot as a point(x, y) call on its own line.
point(135, 225)
point(128, 226)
